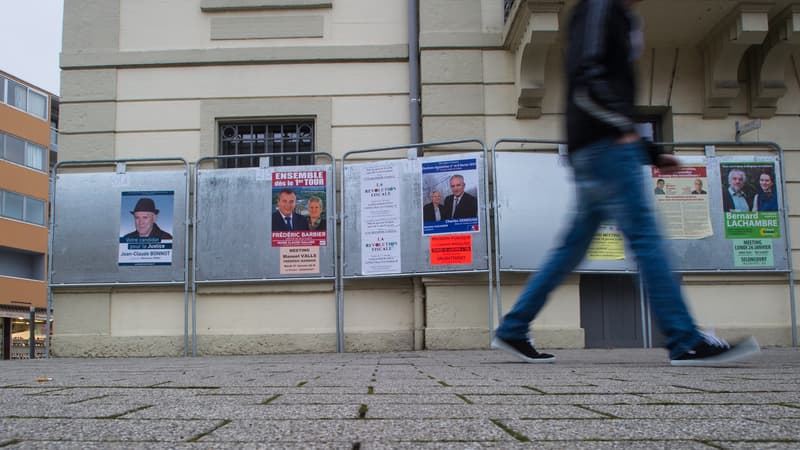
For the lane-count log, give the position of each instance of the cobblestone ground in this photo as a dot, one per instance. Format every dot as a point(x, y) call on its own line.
point(432, 399)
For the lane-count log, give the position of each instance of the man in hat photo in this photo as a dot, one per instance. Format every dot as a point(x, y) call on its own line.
point(144, 217)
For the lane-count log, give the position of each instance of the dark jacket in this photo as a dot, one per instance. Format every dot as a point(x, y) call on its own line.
point(299, 222)
point(156, 232)
point(429, 214)
point(467, 207)
point(322, 223)
point(600, 73)
point(727, 200)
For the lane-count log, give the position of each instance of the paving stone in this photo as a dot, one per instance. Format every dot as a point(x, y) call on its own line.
point(233, 411)
point(104, 430)
point(732, 398)
point(540, 399)
point(588, 445)
point(761, 445)
point(316, 399)
point(54, 410)
point(358, 430)
point(698, 411)
point(272, 390)
point(465, 411)
point(439, 389)
point(88, 445)
point(616, 387)
point(644, 429)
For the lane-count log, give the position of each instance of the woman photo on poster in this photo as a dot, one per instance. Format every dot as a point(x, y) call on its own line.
point(316, 221)
point(765, 199)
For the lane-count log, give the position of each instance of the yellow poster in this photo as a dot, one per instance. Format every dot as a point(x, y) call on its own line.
point(607, 245)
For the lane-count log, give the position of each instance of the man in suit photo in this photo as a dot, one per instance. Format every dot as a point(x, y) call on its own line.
point(459, 205)
point(285, 218)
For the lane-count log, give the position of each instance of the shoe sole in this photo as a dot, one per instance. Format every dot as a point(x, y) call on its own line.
point(500, 345)
point(742, 350)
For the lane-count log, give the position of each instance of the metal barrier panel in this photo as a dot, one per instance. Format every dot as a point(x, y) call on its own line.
point(710, 229)
point(235, 239)
point(94, 212)
point(723, 246)
point(385, 233)
point(535, 200)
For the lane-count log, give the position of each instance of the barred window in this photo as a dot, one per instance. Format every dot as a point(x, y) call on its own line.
point(249, 138)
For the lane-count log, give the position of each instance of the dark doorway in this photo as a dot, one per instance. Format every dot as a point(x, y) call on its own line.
point(611, 313)
point(5, 337)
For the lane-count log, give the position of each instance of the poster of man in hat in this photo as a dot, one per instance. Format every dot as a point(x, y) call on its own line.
point(146, 226)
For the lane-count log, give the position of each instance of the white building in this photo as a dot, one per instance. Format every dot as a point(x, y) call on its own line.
point(151, 78)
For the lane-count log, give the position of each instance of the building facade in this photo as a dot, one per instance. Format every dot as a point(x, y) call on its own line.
point(26, 143)
point(201, 78)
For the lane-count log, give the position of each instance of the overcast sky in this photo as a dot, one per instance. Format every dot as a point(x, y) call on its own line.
point(30, 41)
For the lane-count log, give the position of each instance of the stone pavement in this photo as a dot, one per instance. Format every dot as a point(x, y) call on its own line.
point(431, 399)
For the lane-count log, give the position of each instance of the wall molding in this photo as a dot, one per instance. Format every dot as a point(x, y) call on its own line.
point(250, 27)
point(767, 63)
point(221, 56)
point(723, 49)
point(531, 31)
point(259, 5)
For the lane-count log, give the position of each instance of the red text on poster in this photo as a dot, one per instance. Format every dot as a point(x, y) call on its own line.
point(451, 249)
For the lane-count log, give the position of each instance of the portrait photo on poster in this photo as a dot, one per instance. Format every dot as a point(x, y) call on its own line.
point(750, 200)
point(299, 208)
point(450, 196)
point(146, 228)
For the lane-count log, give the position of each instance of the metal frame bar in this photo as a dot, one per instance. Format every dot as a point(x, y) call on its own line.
point(332, 210)
point(420, 146)
point(646, 313)
point(186, 224)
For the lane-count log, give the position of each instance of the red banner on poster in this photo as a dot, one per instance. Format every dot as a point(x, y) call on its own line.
point(451, 249)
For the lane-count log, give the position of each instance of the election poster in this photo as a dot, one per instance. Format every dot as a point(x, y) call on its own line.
point(750, 200)
point(753, 253)
point(299, 209)
point(607, 244)
point(451, 249)
point(146, 228)
point(681, 199)
point(380, 219)
point(299, 260)
point(451, 193)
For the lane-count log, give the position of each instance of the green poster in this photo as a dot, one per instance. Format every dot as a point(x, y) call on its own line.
point(750, 200)
point(753, 253)
point(741, 225)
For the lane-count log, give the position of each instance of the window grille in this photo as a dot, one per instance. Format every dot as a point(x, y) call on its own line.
point(248, 138)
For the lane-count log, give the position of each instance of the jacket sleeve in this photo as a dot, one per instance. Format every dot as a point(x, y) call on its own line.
point(592, 93)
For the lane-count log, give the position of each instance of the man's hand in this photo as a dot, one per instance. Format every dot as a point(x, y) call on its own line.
point(667, 162)
point(627, 138)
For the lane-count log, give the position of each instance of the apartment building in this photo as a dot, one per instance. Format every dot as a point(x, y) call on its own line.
point(28, 139)
point(204, 78)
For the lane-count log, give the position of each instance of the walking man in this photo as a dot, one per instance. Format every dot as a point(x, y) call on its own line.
point(606, 155)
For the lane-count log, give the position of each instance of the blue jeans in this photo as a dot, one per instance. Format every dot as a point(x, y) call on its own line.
point(609, 184)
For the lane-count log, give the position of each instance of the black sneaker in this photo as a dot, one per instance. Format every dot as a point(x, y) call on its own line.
point(522, 349)
point(711, 351)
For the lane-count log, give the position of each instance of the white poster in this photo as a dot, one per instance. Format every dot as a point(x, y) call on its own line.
point(380, 219)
